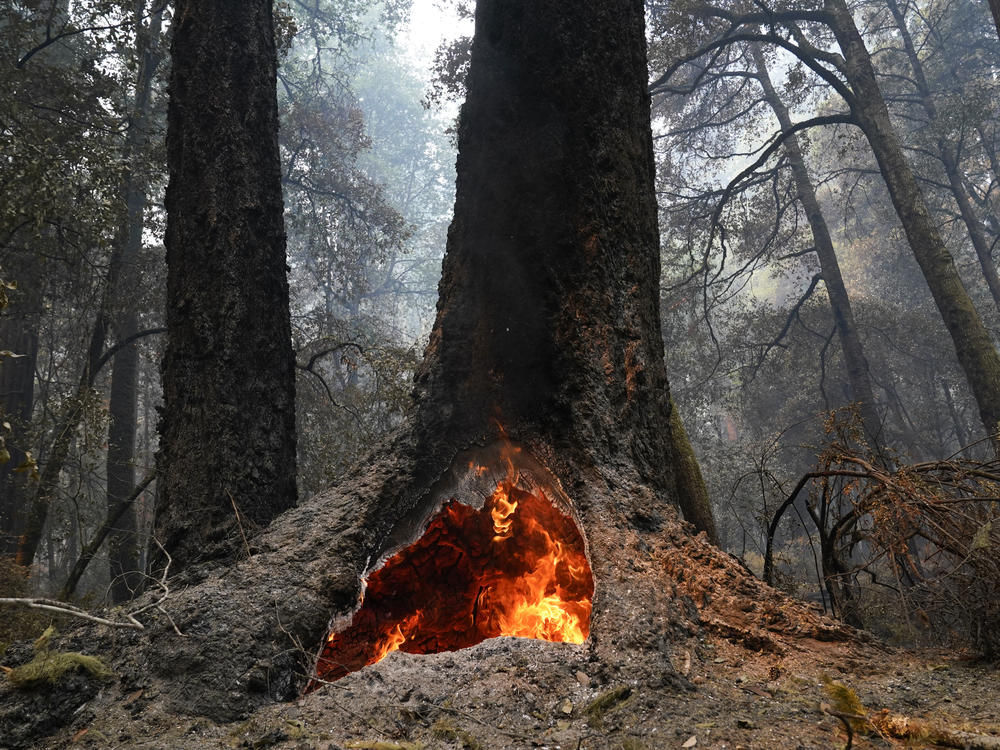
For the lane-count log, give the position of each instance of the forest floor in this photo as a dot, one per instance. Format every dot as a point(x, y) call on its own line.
point(516, 693)
point(748, 668)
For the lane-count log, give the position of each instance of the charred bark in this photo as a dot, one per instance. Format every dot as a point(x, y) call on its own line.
point(227, 451)
point(547, 325)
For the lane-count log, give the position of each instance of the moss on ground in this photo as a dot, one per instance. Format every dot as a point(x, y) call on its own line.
point(50, 666)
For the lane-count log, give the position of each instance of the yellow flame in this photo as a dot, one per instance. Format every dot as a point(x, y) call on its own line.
point(502, 512)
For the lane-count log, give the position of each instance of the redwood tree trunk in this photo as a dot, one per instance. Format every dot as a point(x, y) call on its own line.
point(547, 325)
point(227, 451)
point(976, 352)
point(548, 317)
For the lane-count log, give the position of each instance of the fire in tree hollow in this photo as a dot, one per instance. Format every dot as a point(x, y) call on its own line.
point(517, 566)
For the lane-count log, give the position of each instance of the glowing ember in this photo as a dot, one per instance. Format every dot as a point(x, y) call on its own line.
point(517, 567)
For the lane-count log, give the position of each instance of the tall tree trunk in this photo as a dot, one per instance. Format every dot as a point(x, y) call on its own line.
point(948, 154)
point(123, 553)
point(976, 352)
point(227, 452)
point(855, 361)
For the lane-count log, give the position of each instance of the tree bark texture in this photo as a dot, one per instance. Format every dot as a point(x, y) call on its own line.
point(547, 334)
point(976, 352)
point(227, 450)
point(549, 307)
point(855, 361)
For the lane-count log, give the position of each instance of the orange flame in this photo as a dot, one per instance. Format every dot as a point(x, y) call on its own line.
point(517, 567)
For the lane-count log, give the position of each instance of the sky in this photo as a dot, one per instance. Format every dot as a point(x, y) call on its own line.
point(429, 26)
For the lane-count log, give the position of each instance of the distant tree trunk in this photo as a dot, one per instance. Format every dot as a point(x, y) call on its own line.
point(19, 334)
point(976, 352)
point(948, 154)
point(227, 451)
point(123, 552)
point(855, 361)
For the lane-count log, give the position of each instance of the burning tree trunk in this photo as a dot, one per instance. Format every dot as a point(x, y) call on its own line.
point(543, 387)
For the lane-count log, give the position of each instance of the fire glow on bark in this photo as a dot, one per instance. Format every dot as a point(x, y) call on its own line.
point(515, 567)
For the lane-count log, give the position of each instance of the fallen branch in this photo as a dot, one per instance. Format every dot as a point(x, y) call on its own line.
point(62, 608)
point(907, 728)
point(131, 622)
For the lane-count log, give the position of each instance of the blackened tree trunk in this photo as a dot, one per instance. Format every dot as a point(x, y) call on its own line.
point(548, 316)
point(123, 552)
point(227, 451)
point(855, 361)
point(976, 353)
point(995, 10)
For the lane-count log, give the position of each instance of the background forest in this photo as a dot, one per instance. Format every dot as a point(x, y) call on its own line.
point(828, 185)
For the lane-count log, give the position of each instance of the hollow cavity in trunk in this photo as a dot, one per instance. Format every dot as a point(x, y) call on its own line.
point(499, 554)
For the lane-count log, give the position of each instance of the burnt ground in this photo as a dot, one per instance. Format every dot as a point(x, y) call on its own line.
point(745, 670)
